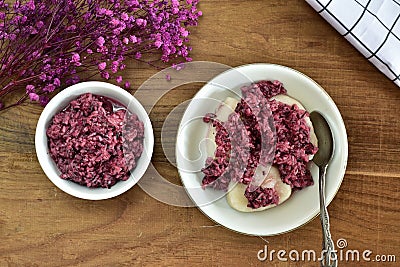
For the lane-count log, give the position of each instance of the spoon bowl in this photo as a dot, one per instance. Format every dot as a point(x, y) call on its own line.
point(325, 139)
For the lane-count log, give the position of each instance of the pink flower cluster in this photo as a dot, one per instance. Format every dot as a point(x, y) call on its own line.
point(45, 44)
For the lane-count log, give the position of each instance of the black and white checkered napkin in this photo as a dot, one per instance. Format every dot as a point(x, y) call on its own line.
point(372, 26)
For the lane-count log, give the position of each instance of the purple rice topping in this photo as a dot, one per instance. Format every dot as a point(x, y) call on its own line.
point(240, 148)
point(92, 144)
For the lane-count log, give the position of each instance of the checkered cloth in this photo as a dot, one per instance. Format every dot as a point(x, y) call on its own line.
point(372, 26)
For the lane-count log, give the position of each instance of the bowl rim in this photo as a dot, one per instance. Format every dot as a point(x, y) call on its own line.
point(53, 107)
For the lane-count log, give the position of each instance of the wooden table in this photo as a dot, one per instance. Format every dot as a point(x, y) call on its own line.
point(42, 226)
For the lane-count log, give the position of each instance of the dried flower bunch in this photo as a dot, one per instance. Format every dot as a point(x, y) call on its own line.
point(44, 43)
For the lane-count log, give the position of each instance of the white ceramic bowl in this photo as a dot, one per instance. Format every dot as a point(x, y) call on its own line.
point(59, 102)
point(303, 205)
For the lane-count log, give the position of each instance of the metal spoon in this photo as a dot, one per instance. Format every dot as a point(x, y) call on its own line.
point(321, 159)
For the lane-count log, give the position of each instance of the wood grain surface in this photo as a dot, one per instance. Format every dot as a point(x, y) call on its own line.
point(42, 226)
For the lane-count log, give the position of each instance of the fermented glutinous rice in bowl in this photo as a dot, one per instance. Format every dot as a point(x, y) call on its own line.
point(95, 141)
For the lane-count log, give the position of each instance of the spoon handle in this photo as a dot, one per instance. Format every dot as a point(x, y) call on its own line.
point(328, 256)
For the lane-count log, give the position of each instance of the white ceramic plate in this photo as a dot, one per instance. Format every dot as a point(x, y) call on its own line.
point(303, 205)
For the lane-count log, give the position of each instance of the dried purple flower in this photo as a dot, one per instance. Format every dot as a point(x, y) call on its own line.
point(100, 41)
point(102, 65)
point(33, 97)
point(30, 88)
point(57, 82)
point(133, 39)
point(75, 59)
